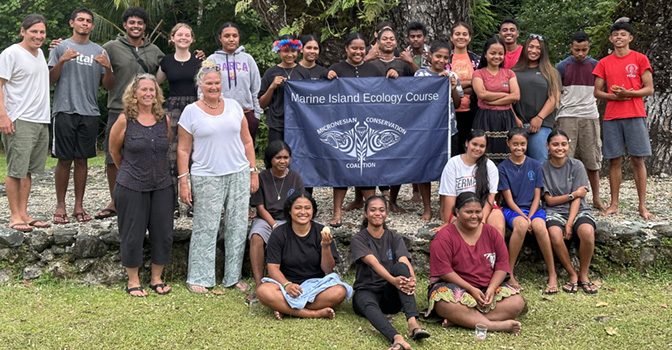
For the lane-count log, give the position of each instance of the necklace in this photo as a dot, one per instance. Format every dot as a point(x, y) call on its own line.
point(289, 75)
point(211, 106)
point(282, 184)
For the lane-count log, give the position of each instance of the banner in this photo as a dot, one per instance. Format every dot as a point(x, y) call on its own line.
point(368, 131)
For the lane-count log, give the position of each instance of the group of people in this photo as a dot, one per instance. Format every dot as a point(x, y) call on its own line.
point(517, 123)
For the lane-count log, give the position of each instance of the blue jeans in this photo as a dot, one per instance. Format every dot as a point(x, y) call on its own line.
point(536, 144)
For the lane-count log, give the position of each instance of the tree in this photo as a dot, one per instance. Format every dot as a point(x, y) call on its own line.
point(652, 24)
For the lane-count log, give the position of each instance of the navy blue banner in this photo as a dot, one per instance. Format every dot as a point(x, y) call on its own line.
point(368, 131)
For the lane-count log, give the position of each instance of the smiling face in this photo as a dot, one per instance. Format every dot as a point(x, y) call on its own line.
point(508, 32)
point(211, 85)
point(495, 55)
point(135, 27)
point(476, 147)
point(518, 145)
point(230, 39)
point(387, 42)
point(558, 147)
point(460, 37)
point(439, 59)
point(146, 93)
point(288, 55)
point(355, 51)
point(376, 213)
point(182, 38)
point(470, 215)
point(620, 39)
point(34, 36)
point(82, 24)
point(280, 161)
point(311, 51)
point(534, 50)
point(301, 211)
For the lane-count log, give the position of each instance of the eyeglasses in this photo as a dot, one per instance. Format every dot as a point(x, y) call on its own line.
point(537, 36)
point(208, 69)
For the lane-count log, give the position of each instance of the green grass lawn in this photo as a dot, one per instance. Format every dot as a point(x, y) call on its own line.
point(630, 312)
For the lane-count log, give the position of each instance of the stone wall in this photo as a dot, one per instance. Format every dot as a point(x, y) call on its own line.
point(90, 252)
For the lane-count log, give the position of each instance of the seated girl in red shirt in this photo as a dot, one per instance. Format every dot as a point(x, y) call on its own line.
point(468, 264)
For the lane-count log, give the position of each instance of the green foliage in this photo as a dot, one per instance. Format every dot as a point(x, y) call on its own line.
point(57, 13)
point(558, 20)
point(483, 21)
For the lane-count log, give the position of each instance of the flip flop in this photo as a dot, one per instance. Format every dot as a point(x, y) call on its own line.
point(190, 287)
point(419, 334)
point(570, 287)
point(129, 291)
point(39, 224)
point(60, 219)
point(336, 223)
point(588, 287)
point(163, 286)
point(82, 216)
point(21, 227)
point(105, 213)
point(550, 290)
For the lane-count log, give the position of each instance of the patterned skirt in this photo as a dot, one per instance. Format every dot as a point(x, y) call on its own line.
point(452, 293)
point(496, 125)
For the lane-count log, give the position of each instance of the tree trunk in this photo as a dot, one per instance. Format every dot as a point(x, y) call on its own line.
point(652, 27)
point(438, 16)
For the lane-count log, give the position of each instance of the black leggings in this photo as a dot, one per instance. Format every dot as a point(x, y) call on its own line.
point(374, 304)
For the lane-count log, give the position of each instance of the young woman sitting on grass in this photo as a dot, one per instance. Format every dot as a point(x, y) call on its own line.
point(468, 263)
point(300, 259)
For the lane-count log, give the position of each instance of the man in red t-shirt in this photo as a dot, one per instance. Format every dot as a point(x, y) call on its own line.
point(622, 79)
point(508, 32)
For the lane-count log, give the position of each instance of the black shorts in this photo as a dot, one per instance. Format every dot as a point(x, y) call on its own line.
point(74, 136)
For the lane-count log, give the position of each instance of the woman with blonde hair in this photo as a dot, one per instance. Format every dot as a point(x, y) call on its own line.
point(143, 193)
point(540, 87)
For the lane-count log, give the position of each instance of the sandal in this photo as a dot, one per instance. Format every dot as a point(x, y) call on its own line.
point(163, 286)
point(21, 227)
point(550, 290)
point(60, 219)
point(82, 216)
point(419, 334)
point(130, 291)
point(335, 223)
point(588, 287)
point(105, 213)
point(570, 287)
point(39, 224)
point(197, 289)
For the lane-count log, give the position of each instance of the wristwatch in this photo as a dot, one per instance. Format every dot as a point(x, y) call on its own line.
point(571, 197)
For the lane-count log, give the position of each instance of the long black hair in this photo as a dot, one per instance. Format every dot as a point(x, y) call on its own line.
point(482, 182)
point(365, 222)
point(492, 41)
point(272, 150)
point(464, 198)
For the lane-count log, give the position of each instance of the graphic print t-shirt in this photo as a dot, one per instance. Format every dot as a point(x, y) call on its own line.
point(458, 177)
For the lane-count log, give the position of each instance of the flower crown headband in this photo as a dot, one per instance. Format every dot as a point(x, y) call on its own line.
point(294, 44)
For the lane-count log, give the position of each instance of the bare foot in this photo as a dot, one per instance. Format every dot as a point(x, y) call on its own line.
point(396, 208)
point(597, 204)
point(511, 326)
point(646, 214)
point(612, 210)
point(354, 205)
point(426, 216)
point(513, 282)
point(515, 326)
point(447, 324)
point(277, 315)
point(327, 313)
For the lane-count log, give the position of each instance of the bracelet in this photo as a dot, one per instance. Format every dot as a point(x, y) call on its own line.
point(537, 116)
point(286, 284)
point(183, 175)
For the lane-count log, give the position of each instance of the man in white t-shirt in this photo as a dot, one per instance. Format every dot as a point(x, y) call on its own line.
point(24, 118)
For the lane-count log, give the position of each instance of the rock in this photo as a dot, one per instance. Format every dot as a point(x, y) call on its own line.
point(58, 269)
point(64, 235)
point(5, 276)
point(425, 233)
point(646, 258)
point(88, 247)
point(47, 255)
point(111, 238)
point(7, 254)
point(40, 241)
point(664, 230)
point(83, 265)
point(32, 272)
point(10, 238)
point(181, 234)
point(57, 250)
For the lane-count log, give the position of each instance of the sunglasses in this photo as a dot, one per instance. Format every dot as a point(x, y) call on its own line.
point(537, 36)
